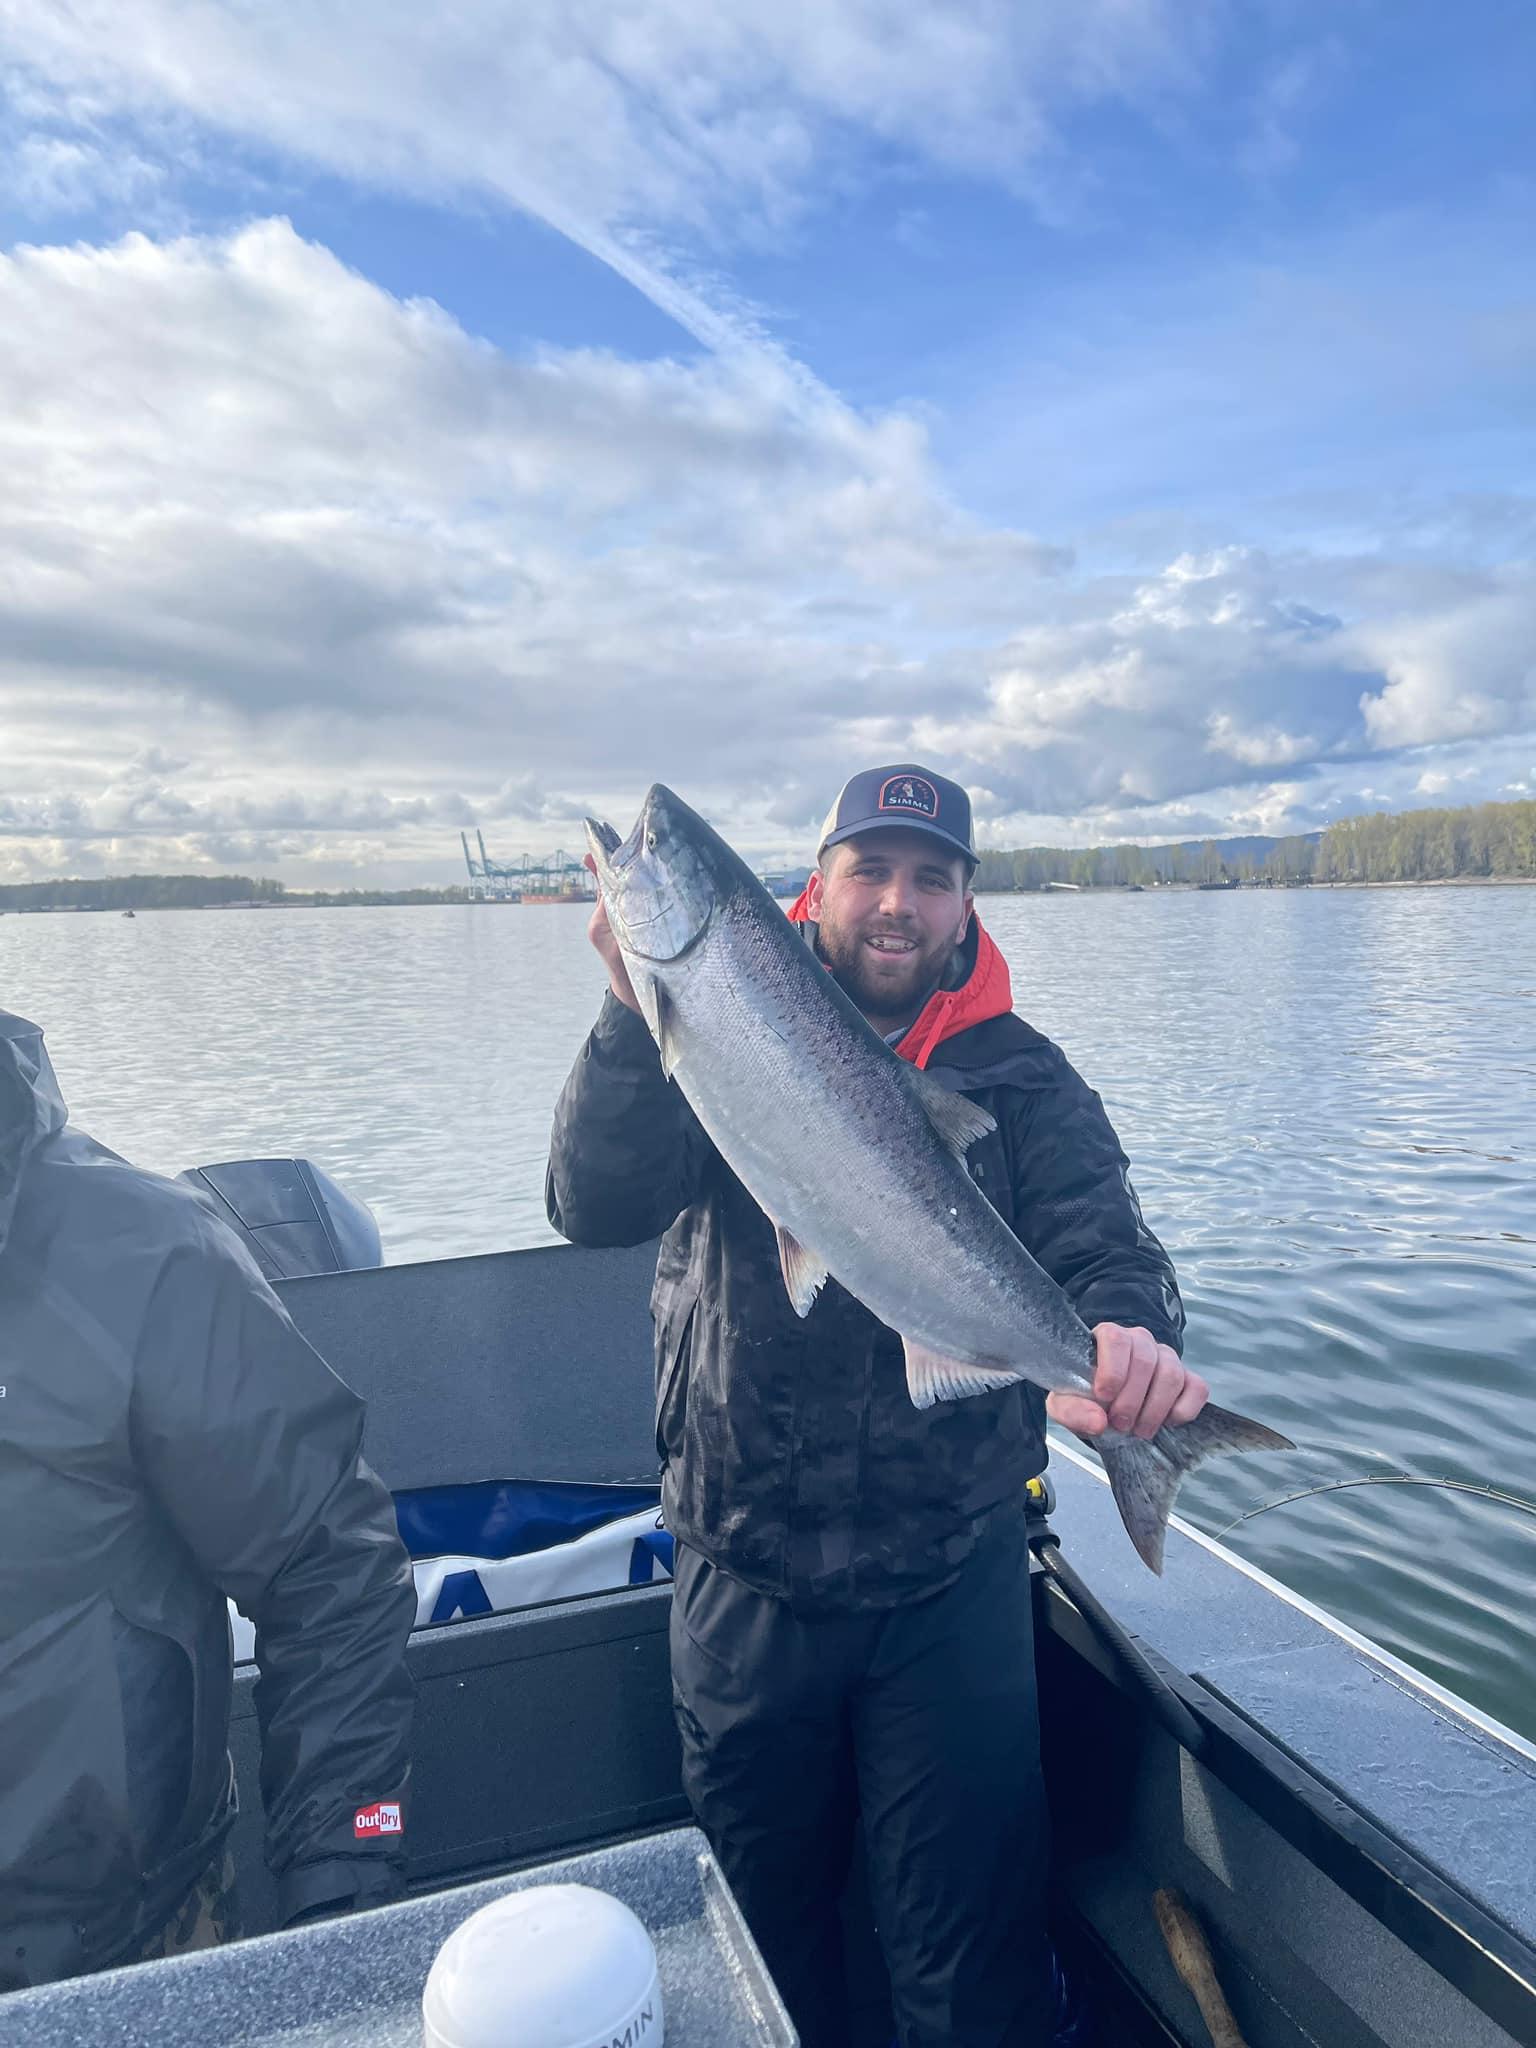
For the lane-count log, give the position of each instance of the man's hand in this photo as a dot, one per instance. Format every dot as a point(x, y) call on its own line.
point(600, 932)
point(1138, 1385)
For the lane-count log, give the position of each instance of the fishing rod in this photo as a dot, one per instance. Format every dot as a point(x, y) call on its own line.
point(1165, 1703)
point(1480, 1488)
point(1160, 1696)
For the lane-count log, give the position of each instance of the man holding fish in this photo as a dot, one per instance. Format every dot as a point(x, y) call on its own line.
point(894, 1220)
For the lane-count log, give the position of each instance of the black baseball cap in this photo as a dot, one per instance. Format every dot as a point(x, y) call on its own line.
point(901, 795)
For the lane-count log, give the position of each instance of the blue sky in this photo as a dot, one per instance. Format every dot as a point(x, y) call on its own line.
point(1126, 407)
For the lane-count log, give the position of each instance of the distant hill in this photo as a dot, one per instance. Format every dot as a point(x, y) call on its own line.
point(1244, 858)
point(1233, 851)
point(785, 882)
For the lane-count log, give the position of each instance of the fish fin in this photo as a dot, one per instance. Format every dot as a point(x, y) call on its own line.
point(804, 1274)
point(933, 1377)
point(958, 1120)
point(1144, 1473)
point(666, 1031)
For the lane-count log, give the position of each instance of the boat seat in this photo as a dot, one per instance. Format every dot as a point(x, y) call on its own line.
point(469, 1369)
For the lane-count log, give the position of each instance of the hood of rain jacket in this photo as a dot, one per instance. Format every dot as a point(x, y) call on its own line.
point(31, 1107)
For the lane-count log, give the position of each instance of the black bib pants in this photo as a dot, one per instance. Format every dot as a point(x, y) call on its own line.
point(919, 1720)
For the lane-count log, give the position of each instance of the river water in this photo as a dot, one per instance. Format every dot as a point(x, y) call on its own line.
point(1328, 1097)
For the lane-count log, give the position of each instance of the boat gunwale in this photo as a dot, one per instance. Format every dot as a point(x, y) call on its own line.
point(1491, 1963)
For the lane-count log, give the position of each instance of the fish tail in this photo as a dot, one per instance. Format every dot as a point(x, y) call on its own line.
point(1144, 1474)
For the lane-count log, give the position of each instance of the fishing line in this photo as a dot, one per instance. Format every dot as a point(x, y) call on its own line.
point(1481, 1489)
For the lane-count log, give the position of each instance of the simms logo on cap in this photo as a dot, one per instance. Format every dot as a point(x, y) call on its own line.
point(382, 1818)
point(914, 794)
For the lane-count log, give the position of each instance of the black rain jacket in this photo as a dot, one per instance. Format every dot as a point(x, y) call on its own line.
point(167, 1438)
point(792, 1455)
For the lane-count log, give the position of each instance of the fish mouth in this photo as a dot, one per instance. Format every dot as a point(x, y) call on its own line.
point(609, 852)
point(612, 860)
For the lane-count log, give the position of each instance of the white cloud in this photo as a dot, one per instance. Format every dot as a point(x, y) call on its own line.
point(151, 810)
point(632, 130)
point(47, 173)
point(1285, 95)
point(1468, 671)
point(258, 512)
point(1262, 747)
point(1162, 685)
point(297, 571)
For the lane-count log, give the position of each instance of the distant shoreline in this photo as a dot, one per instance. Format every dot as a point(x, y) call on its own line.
point(1048, 889)
point(1261, 888)
point(141, 909)
point(1436, 882)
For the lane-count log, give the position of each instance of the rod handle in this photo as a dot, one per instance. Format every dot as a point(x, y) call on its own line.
point(1192, 1959)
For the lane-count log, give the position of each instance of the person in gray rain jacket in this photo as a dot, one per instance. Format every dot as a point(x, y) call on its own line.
point(167, 1439)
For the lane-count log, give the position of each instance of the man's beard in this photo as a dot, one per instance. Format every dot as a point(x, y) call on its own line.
point(876, 993)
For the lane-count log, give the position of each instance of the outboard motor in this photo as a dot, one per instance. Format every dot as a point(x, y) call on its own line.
point(294, 1219)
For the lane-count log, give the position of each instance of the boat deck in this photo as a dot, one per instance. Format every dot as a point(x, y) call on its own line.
point(1356, 1843)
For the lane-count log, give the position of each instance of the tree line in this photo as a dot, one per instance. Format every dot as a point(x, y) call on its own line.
point(1490, 840)
point(199, 892)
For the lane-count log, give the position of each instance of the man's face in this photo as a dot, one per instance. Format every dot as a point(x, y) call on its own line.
point(891, 906)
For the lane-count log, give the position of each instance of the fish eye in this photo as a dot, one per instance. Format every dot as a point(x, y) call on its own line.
point(650, 842)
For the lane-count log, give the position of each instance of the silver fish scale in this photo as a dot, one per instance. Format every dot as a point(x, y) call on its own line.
point(824, 1126)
